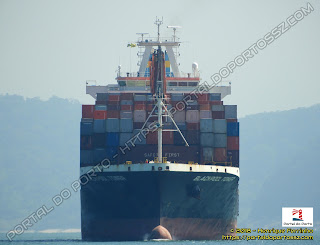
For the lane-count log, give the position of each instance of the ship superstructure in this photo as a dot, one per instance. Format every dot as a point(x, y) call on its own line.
point(172, 150)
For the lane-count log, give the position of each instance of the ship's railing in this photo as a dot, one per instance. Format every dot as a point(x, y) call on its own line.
point(133, 74)
point(180, 89)
point(91, 83)
point(142, 89)
point(164, 160)
point(168, 74)
point(155, 39)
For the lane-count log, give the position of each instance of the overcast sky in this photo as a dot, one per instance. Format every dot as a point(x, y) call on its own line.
point(50, 48)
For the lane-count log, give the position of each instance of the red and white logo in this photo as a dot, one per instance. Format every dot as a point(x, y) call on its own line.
point(297, 217)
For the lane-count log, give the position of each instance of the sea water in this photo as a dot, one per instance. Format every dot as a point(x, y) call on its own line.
point(75, 239)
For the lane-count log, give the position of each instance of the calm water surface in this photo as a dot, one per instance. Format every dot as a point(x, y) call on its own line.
point(75, 238)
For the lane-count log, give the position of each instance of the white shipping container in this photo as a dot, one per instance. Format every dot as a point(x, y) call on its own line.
point(192, 116)
point(205, 114)
point(139, 116)
point(230, 111)
point(179, 116)
point(217, 108)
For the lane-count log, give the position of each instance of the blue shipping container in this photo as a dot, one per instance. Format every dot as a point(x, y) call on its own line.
point(112, 125)
point(126, 125)
point(207, 154)
point(99, 154)
point(220, 126)
point(126, 102)
point(177, 97)
point(112, 153)
point(206, 125)
point(86, 157)
point(233, 129)
point(86, 128)
point(125, 138)
point(140, 139)
point(140, 97)
point(99, 126)
point(102, 96)
point(220, 140)
point(182, 126)
point(112, 139)
point(230, 111)
point(215, 97)
point(207, 139)
point(100, 107)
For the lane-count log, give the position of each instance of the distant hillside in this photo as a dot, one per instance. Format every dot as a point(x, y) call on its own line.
point(279, 165)
point(39, 154)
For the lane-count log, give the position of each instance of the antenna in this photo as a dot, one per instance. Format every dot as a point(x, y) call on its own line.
point(158, 22)
point(174, 31)
point(142, 34)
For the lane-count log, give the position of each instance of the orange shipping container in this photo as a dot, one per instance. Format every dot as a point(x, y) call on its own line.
point(205, 107)
point(126, 107)
point(203, 97)
point(232, 120)
point(216, 102)
point(220, 154)
point(100, 115)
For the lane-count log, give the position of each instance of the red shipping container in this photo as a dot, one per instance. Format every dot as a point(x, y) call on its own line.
point(126, 107)
point(113, 102)
point(113, 114)
point(152, 138)
point(232, 120)
point(193, 126)
point(203, 102)
point(87, 111)
point(203, 97)
point(167, 138)
point(216, 102)
point(220, 154)
point(140, 107)
point(205, 107)
point(100, 115)
point(149, 107)
point(114, 97)
point(218, 115)
point(140, 102)
point(126, 96)
point(233, 143)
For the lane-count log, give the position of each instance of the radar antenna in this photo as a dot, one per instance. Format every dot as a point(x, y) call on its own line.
point(174, 31)
point(158, 22)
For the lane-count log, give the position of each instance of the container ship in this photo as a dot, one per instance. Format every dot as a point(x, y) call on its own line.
point(168, 151)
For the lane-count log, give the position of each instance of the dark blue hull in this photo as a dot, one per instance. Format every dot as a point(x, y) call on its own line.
point(123, 206)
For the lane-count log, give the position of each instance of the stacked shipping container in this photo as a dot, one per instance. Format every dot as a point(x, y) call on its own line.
point(210, 128)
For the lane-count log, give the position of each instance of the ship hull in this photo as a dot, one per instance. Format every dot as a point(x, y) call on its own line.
point(124, 206)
